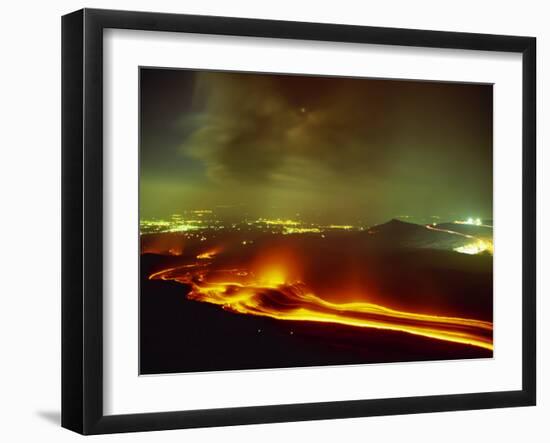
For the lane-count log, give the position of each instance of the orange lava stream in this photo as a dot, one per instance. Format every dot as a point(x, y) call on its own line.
point(240, 291)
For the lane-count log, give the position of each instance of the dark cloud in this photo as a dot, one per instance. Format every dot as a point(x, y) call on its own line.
point(260, 128)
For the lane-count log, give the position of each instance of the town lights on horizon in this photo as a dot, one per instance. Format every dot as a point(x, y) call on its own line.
point(470, 221)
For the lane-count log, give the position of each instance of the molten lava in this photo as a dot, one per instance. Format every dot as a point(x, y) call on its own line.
point(208, 254)
point(269, 293)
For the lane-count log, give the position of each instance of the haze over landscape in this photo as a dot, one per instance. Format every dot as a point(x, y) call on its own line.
point(334, 150)
point(295, 221)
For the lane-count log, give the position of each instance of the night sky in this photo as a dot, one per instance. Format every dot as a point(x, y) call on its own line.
point(334, 150)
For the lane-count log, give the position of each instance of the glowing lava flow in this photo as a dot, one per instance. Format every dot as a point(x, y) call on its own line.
point(240, 291)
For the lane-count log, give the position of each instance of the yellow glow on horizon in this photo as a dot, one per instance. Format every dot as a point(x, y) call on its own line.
point(344, 227)
point(279, 222)
point(470, 221)
point(476, 247)
point(292, 230)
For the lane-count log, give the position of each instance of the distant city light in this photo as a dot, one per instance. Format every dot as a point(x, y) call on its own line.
point(204, 225)
point(278, 221)
point(290, 230)
point(476, 247)
point(470, 221)
point(344, 227)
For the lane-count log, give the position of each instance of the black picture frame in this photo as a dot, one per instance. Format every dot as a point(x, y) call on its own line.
point(82, 219)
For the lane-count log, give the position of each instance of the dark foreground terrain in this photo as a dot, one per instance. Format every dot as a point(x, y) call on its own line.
point(181, 335)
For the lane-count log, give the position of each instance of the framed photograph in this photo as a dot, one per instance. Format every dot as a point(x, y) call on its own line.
point(269, 221)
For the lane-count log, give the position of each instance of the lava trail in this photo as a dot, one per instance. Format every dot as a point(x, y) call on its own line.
point(241, 291)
